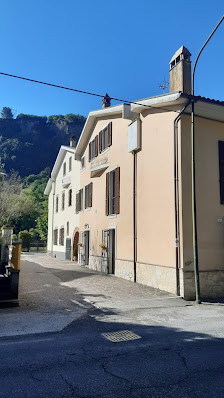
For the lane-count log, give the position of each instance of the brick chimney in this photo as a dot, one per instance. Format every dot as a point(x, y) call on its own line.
point(180, 71)
point(106, 101)
point(72, 141)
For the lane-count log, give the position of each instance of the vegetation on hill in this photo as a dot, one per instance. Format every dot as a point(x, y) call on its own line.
point(28, 148)
point(30, 143)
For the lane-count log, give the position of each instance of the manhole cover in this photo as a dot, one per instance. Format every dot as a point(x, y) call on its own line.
point(123, 335)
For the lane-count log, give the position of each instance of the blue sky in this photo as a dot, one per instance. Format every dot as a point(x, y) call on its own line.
point(122, 47)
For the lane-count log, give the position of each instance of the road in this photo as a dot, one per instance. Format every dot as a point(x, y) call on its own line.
point(176, 349)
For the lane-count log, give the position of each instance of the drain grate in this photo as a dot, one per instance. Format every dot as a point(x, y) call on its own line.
point(123, 335)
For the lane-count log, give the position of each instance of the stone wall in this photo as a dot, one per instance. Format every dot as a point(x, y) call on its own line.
point(211, 284)
point(160, 277)
point(124, 269)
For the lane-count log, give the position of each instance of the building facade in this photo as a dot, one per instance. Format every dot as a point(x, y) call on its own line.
point(134, 201)
point(63, 222)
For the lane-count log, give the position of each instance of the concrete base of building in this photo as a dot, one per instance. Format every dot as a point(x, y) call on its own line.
point(58, 255)
point(211, 284)
point(157, 276)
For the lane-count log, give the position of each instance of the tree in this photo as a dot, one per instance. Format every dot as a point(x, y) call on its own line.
point(7, 113)
point(14, 202)
point(26, 239)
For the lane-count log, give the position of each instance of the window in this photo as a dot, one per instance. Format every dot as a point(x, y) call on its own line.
point(221, 171)
point(55, 236)
point(67, 228)
point(105, 138)
point(56, 205)
point(88, 195)
point(79, 201)
point(113, 192)
point(93, 148)
point(61, 236)
point(70, 164)
point(83, 162)
point(70, 197)
point(63, 201)
point(64, 169)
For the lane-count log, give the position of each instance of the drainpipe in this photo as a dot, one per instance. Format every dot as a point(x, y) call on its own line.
point(135, 211)
point(176, 198)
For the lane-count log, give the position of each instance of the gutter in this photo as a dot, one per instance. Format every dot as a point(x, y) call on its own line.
point(176, 198)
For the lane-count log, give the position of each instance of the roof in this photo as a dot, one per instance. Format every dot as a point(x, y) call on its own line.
point(58, 162)
point(204, 107)
point(123, 110)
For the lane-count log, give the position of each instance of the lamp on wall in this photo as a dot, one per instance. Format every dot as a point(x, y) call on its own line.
point(86, 226)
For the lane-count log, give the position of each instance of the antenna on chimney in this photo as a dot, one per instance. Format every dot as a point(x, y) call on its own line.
point(164, 85)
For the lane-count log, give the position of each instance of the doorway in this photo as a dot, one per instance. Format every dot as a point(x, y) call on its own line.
point(108, 254)
point(86, 247)
point(75, 246)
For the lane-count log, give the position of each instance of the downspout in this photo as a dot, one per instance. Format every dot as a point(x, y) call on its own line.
point(135, 211)
point(176, 198)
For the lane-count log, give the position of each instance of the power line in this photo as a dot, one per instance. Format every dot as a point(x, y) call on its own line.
point(85, 92)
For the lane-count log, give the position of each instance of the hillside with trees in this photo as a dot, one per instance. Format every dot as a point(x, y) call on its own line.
point(29, 146)
point(30, 143)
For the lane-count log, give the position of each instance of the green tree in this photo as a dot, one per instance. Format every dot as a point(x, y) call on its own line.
point(7, 113)
point(26, 239)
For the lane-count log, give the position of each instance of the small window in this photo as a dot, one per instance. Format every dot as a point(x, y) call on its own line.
point(63, 201)
point(83, 162)
point(56, 205)
point(70, 197)
point(61, 237)
point(105, 138)
point(70, 164)
point(93, 149)
point(113, 192)
point(64, 169)
point(55, 236)
point(67, 228)
point(79, 201)
point(88, 195)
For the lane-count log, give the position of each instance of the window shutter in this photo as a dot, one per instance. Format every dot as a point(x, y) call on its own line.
point(107, 193)
point(89, 151)
point(86, 196)
point(77, 202)
point(117, 191)
point(100, 142)
point(221, 171)
point(90, 194)
point(96, 145)
point(109, 132)
point(80, 199)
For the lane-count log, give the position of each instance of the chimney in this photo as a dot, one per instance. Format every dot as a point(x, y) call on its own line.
point(106, 101)
point(180, 71)
point(72, 141)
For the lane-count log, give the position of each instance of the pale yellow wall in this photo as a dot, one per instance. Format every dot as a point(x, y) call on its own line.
point(117, 155)
point(50, 215)
point(155, 191)
point(69, 213)
point(209, 209)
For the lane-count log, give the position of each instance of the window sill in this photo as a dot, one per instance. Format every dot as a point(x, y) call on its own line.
point(83, 168)
point(88, 208)
point(112, 216)
point(92, 160)
point(105, 150)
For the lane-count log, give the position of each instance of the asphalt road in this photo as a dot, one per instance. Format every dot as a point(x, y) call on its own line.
point(164, 360)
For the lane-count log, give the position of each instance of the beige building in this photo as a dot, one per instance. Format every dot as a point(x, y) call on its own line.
point(63, 222)
point(133, 204)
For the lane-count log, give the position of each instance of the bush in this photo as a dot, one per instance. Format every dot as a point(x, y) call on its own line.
point(26, 239)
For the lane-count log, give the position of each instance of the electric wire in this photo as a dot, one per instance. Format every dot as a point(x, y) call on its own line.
point(86, 92)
